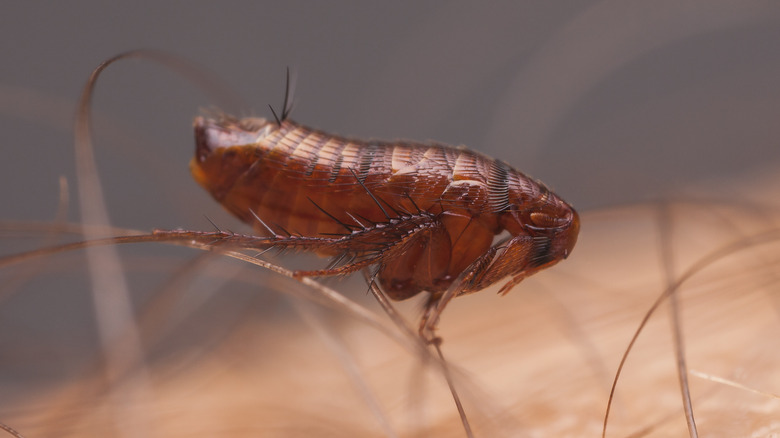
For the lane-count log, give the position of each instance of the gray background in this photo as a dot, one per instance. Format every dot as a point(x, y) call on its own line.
point(608, 102)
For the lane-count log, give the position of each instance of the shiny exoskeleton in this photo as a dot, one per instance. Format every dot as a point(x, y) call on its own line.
point(425, 215)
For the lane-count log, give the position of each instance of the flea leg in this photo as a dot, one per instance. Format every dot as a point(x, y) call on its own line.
point(511, 257)
point(374, 245)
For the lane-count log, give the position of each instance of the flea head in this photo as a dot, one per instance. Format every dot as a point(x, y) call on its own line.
point(551, 223)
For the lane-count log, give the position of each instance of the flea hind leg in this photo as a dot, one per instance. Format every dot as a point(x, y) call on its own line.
point(374, 245)
point(462, 285)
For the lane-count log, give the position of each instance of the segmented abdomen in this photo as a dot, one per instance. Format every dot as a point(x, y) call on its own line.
point(422, 212)
point(311, 183)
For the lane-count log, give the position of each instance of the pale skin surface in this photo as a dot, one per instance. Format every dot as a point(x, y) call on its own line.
point(527, 348)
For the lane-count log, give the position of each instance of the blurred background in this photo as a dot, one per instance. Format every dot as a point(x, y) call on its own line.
point(611, 103)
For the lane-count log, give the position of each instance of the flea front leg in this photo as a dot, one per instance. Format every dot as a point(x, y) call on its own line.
point(511, 257)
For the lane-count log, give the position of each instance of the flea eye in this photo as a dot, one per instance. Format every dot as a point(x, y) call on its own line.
point(545, 220)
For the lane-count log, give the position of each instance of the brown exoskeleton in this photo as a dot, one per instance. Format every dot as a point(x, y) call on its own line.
point(425, 215)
